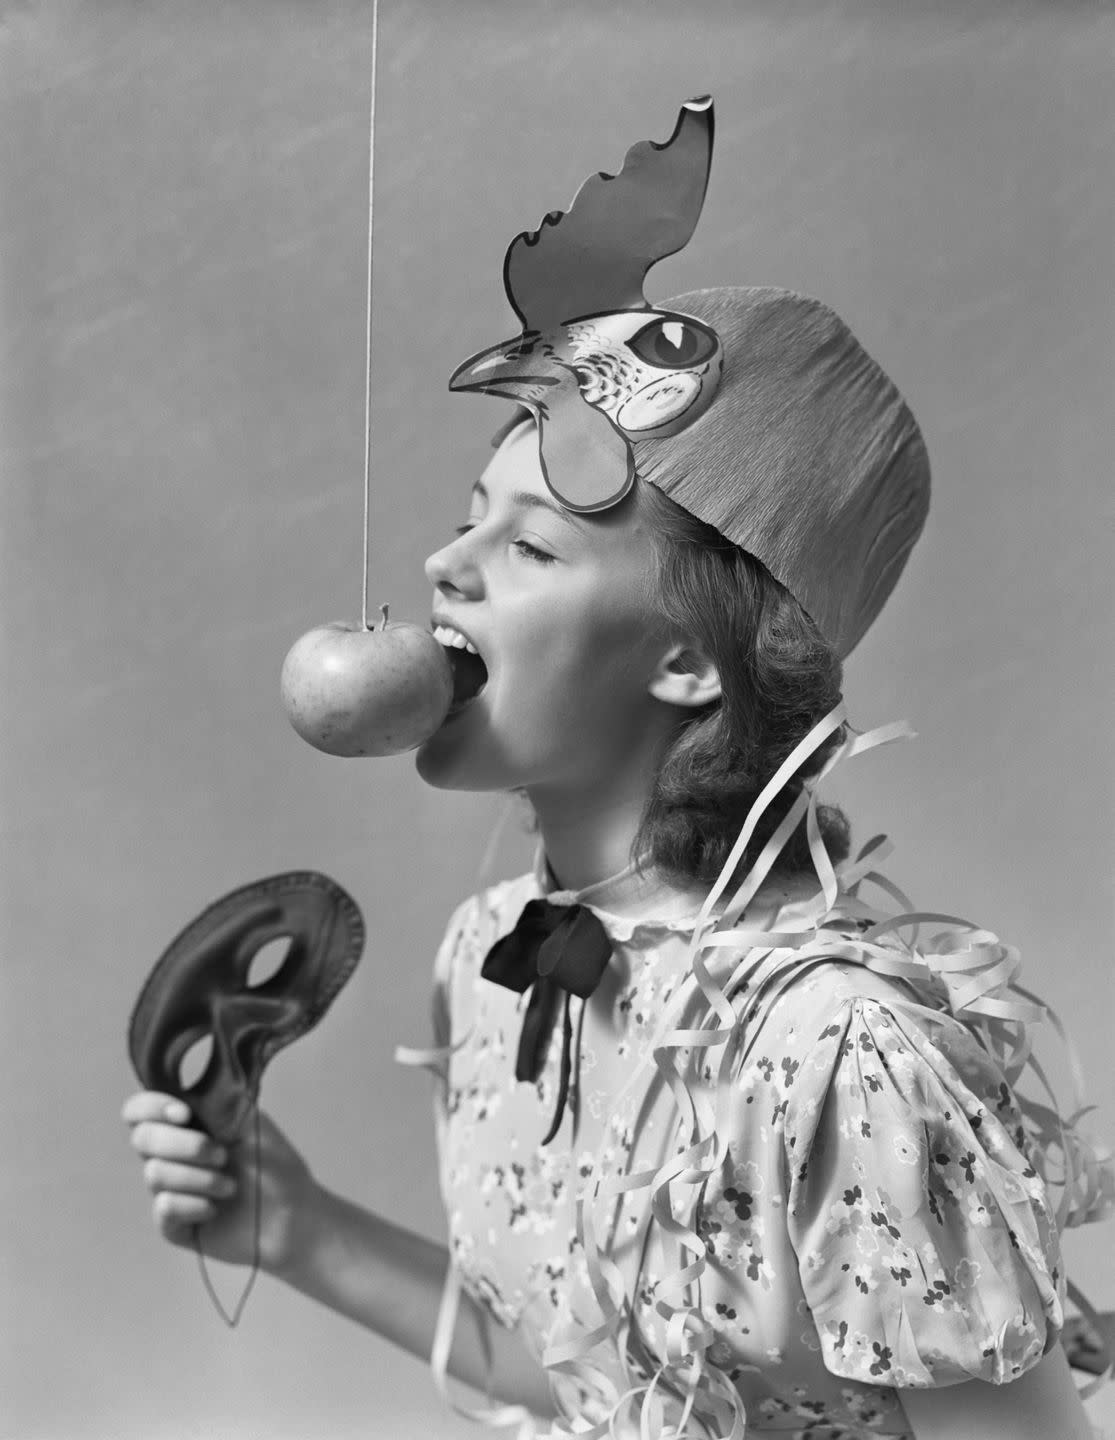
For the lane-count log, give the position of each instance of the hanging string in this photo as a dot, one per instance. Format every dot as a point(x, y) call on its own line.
point(368, 332)
point(257, 1204)
point(233, 1319)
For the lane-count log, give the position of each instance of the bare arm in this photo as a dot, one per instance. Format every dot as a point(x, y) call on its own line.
point(366, 1268)
point(1040, 1405)
point(390, 1280)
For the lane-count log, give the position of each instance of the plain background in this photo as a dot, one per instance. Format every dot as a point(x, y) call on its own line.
point(182, 223)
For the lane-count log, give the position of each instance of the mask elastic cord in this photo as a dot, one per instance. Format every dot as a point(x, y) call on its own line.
point(257, 1197)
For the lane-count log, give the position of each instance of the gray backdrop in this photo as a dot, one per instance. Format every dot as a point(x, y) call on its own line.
point(182, 215)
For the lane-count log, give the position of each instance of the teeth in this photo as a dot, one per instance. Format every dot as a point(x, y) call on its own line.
point(446, 635)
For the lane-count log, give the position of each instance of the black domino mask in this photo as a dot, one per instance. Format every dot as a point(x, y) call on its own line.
point(200, 988)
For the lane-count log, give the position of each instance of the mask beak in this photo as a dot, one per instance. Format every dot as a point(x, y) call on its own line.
point(586, 461)
point(520, 369)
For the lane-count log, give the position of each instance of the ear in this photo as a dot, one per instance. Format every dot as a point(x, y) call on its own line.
point(685, 676)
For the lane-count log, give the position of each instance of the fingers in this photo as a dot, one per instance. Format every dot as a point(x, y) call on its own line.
point(154, 1105)
point(176, 1216)
point(159, 1131)
point(156, 1141)
point(187, 1180)
point(184, 1169)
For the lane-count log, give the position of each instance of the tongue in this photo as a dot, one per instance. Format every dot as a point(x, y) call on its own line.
point(470, 675)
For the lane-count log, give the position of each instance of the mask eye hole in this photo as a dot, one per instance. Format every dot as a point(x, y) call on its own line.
point(195, 1062)
point(673, 342)
point(268, 960)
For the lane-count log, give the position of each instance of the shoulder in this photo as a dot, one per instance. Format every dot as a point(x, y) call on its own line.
point(871, 1054)
point(479, 921)
point(816, 994)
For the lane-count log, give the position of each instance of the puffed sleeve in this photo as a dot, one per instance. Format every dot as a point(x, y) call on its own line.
point(925, 1240)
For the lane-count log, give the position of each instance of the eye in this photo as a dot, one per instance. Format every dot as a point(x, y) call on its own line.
point(532, 552)
point(673, 342)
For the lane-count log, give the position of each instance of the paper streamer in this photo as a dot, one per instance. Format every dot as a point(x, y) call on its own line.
point(955, 967)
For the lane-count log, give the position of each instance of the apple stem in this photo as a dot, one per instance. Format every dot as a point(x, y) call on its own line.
point(383, 609)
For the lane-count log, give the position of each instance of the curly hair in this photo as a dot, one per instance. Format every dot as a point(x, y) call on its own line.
point(778, 677)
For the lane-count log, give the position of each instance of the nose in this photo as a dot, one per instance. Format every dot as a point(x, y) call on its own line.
point(452, 570)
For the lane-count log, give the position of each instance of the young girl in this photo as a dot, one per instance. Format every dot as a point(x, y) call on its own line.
point(720, 1143)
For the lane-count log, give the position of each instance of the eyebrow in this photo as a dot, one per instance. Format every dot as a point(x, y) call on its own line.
point(528, 500)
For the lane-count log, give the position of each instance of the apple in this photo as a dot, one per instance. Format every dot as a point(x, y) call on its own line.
point(349, 690)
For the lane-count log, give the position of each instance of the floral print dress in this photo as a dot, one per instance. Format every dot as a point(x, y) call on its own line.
point(876, 1223)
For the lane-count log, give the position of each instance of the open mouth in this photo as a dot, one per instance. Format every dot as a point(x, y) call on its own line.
point(470, 674)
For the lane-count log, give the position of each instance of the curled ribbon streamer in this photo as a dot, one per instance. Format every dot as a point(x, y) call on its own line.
point(899, 896)
point(915, 917)
point(984, 966)
point(796, 758)
point(755, 939)
point(496, 1416)
point(870, 853)
point(604, 1277)
point(820, 855)
point(718, 1001)
point(570, 1357)
point(854, 745)
point(556, 1356)
point(434, 1058)
point(881, 735)
point(1088, 1310)
point(1086, 1179)
point(961, 970)
point(657, 1181)
point(765, 862)
point(1076, 1069)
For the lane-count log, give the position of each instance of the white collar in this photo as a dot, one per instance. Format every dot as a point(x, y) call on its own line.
point(640, 893)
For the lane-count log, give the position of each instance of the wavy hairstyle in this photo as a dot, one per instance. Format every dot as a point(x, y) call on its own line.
point(778, 677)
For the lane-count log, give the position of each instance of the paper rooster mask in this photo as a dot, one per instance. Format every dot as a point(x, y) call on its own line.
point(589, 335)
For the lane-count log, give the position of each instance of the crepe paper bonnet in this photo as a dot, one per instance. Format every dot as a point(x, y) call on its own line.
point(755, 409)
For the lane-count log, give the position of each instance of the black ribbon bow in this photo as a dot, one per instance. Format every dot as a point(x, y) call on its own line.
point(559, 950)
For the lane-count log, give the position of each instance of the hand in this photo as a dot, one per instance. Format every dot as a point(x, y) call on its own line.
point(197, 1182)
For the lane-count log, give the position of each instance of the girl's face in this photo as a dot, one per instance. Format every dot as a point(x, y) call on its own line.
point(556, 605)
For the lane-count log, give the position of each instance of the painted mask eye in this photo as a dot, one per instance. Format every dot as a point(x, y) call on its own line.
point(673, 342)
